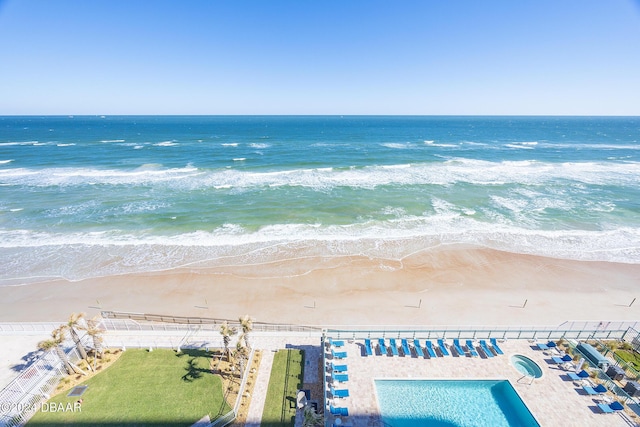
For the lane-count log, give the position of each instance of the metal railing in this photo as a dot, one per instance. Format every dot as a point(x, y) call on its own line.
point(24, 395)
point(143, 321)
point(570, 330)
point(28, 328)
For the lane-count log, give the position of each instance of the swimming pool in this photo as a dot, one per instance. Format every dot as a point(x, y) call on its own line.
point(452, 403)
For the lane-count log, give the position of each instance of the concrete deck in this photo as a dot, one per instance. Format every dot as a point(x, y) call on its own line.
point(553, 399)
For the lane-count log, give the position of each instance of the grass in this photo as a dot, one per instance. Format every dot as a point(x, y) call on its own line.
point(144, 389)
point(629, 356)
point(284, 383)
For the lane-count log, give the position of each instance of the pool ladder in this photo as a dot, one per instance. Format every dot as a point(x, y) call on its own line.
point(527, 376)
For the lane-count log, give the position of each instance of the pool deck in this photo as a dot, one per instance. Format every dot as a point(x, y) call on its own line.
point(553, 399)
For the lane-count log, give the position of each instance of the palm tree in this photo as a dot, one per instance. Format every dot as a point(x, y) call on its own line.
point(241, 354)
point(72, 324)
point(55, 343)
point(310, 418)
point(95, 333)
point(51, 344)
point(246, 323)
point(227, 332)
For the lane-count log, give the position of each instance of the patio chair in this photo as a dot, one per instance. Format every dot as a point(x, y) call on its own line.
point(382, 345)
point(394, 346)
point(430, 349)
point(405, 347)
point(494, 344)
point(485, 348)
point(472, 350)
point(456, 345)
point(367, 347)
point(443, 348)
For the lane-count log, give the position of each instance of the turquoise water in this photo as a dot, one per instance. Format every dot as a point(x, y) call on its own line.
point(93, 196)
point(451, 403)
point(526, 366)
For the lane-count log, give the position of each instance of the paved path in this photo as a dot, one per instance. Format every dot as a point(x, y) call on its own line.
point(254, 416)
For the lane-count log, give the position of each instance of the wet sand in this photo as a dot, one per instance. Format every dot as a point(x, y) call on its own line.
point(444, 286)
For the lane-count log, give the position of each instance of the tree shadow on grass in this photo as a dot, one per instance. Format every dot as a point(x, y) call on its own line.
point(193, 371)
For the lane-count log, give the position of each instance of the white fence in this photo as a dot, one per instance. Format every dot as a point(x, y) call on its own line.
point(23, 396)
point(571, 330)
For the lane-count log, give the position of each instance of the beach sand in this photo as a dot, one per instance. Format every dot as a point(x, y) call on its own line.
point(443, 286)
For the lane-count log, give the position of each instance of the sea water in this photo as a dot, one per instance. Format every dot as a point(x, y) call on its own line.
point(92, 196)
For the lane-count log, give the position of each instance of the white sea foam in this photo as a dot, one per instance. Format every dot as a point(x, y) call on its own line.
point(80, 255)
point(112, 140)
point(260, 145)
point(397, 145)
point(518, 146)
point(66, 145)
point(9, 143)
point(458, 170)
point(239, 159)
point(229, 144)
point(433, 144)
point(166, 144)
point(4, 162)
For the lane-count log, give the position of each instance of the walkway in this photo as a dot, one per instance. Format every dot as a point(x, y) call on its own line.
point(256, 407)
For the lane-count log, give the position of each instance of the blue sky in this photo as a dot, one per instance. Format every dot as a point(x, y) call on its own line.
point(573, 57)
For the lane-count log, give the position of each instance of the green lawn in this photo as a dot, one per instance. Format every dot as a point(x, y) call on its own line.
point(629, 356)
point(144, 389)
point(286, 379)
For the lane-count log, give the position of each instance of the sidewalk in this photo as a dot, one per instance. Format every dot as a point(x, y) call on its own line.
point(254, 416)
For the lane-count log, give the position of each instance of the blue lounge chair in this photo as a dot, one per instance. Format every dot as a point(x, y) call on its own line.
point(456, 345)
point(416, 345)
point(367, 347)
point(605, 408)
point(573, 376)
point(566, 358)
point(430, 350)
point(337, 343)
point(485, 348)
point(616, 406)
point(579, 376)
point(405, 348)
point(610, 408)
point(383, 347)
point(394, 346)
point(557, 360)
point(338, 354)
point(542, 346)
point(443, 347)
point(472, 350)
point(336, 410)
point(600, 389)
point(341, 393)
point(341, 378)
point(592, 391)
point(589, 390)
point(338, 368)
point(494, 344)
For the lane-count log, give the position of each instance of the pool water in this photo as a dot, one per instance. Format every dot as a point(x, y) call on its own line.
point(452, 403)
point(526, 366)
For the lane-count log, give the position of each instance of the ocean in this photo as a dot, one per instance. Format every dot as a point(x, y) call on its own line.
point(84, 197)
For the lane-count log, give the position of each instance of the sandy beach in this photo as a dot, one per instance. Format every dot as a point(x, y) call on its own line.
point(445, 286)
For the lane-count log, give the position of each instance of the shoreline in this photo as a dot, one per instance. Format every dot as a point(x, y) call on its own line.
point(453, 285)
